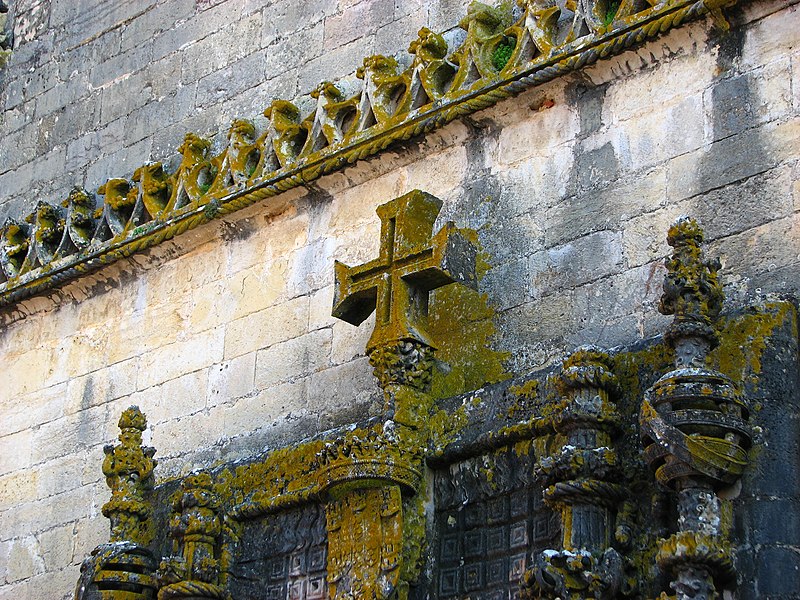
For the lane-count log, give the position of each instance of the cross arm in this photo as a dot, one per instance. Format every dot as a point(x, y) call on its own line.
point(352, 301)
point(452, 260)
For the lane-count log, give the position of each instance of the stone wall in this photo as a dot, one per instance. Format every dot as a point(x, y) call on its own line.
point(224, 337)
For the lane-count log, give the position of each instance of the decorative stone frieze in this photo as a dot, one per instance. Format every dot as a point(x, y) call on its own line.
point(694, 423)
point(396, 101)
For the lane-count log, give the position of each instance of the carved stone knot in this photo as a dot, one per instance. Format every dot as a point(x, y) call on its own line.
point(404, 362)
point(694, 426)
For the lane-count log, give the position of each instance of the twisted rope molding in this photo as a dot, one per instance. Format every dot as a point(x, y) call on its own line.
point(573, 56)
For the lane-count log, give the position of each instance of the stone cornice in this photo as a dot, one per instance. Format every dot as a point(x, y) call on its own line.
point(500, 57)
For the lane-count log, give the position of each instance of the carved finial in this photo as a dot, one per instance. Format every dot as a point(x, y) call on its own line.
point(692, 293)
point(128, 468)
point(196, 528)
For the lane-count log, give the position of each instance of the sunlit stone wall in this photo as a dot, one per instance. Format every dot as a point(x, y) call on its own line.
point(223, 336)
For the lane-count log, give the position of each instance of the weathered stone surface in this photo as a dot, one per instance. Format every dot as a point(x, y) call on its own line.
point(229, 339)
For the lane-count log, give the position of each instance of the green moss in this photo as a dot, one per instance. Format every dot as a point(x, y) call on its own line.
point(611, 12)
point(502, 53)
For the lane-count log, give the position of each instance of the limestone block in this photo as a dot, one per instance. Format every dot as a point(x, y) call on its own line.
point(349, 342)
point(231, 80)
point(264, 410)
point(90, 532)
point(739, 103)
point(256, 239)
point(168, 362)
point(403, 28)
point(335, 63)
point(24, 559)
point(224, 46)
point(627, 97)
point(536, 131)
point(63, 436)
point(231, 379)
point(665, 131)
point(583, 260)
point(266, 327)
point(293, 359)
point(142, 331)
point(354, 209)
point(179, 397)
point(17, 487)
point(33, 409)
point(293, 51)
point(286, 16)
point(440, 174)
point(641, 241)
point(321, 304)
point(54, 584)
point(769, 38)
point(506, 239)
point(57, 547)
point(731, 159)
point(344, 393)
point(796, 81)
point(101, 386)
point(507, 284)
point(309, 267)
point(16, 451)
point(769, 247)
point(251, 290)
point(354, 21)
point(154, 20)
point(606, 208)
point(59, 475)
point(535, 183)
point(30, 369)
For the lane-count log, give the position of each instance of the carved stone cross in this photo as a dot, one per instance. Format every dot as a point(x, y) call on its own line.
point(410, 264)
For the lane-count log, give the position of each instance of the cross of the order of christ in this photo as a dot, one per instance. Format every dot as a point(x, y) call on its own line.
point(411, 263)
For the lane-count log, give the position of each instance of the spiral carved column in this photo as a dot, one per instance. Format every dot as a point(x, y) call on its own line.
point(583, 484)
point(693, 423)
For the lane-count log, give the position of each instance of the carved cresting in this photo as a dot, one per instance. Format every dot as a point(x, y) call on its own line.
point(693, 422)
point(123, 569)
point(395, 99)
point(370, 478)
point(583, 480)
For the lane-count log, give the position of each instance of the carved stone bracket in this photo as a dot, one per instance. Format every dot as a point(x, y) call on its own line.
point(363, 477)
point(694, 422)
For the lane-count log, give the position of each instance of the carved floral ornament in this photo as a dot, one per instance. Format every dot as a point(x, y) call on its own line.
point(396, 100)
point(370, 480)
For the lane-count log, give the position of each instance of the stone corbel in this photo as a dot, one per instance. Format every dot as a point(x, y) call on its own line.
point(694, 423)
